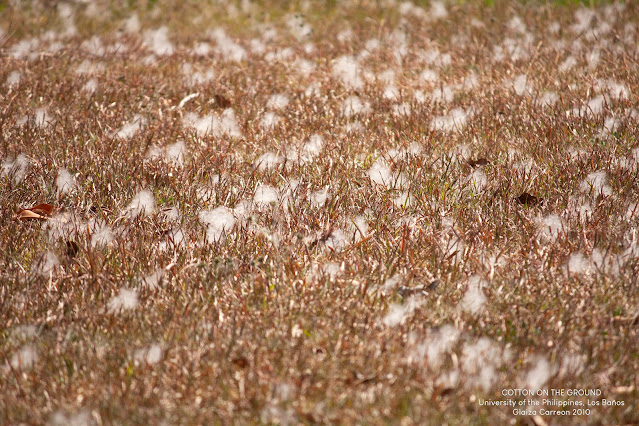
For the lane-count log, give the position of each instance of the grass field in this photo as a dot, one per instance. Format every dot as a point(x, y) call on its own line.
point(333, 212)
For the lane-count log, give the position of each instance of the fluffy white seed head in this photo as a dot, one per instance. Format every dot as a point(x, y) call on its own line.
point(269, 161)
point(219, 222)
point(125, 300)
point(16, 168)
point(157, 41)
point(65, 182)
point(265, 195)
point(142, 204)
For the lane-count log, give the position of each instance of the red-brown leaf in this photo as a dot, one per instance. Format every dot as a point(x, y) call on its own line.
point(39, 211)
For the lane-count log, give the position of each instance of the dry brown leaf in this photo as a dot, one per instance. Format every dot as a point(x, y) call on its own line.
point(39, 211)
point(27, 214)
point(43, 209)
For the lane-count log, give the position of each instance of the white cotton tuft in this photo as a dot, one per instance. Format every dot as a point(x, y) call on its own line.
point(348, 71)
point(142, 204)
point(24, 358)
point(226, 47)
point(359, 228)
point(91, 86)
point(304, 67)
point(63, 226)
point(391, 93)
point(89, 68)
point(102, 237)
point(476, 356)
point(578, 264)
point(572, 365)
point(174, 239)
point(401, 110)
point(633, 210)
point(541, 372)
point(149, 355)
point(312, 148)
point(277, 101)
point(25, 49)
point(126, 300)
point(16, 169)
point(380, 173)
point(13, 79)
point(438, 343)
point(265, 194)
point(201, 49)
point(354, 128)
point(132, 24)
point(550, 227)
point(477, 180)
point(615, 90)
point(80, 418)
point(319, 197)
point(353, 105)
point(224, 124)
point(399, 313)
point(455, 120)
point(219, 222)
point(569, 63)
point(194, 78)
point(157, 41)
point(243, 210)
point(131, 128)
point(471, 82)
point(595, 106)
point(474, 298)
point(153, 280)
point(480, 362)
point(548, 99)
point(269, 120)
point(47, 264)
point(337, 241)
point(298, 27)
point(596, 183)
point(428, 76)
point(269, 161)
point(42, 118)
point(65, 182)
point(520, 85)
point(403, 200)
point(175, 153)
point(443, 94)
point(438, 10)
point(390, 284)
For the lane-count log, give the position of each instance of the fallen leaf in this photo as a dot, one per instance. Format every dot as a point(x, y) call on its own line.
point(39, 211)
point(28, 214)
point(43, 209)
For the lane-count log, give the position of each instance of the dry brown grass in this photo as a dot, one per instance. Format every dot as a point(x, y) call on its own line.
point(255, 327)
